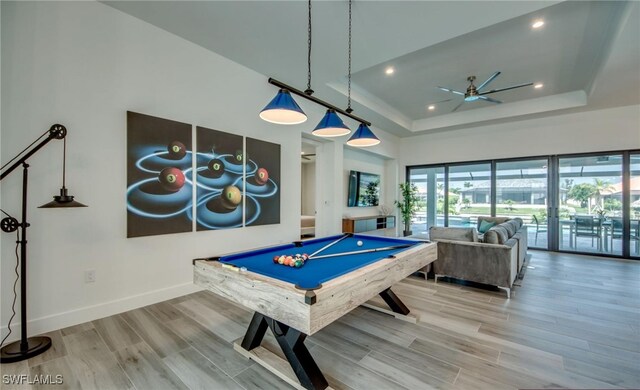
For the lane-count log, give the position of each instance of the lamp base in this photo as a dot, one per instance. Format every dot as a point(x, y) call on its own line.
point(13, 353)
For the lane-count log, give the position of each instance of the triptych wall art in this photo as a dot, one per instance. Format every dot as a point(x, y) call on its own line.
point(236, 180)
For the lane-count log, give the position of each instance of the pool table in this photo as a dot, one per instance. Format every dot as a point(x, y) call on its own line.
point(297, 302)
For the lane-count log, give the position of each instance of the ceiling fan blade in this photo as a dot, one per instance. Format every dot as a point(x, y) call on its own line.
point(305, 158)
point(489, 99)
point(490, 79)
point(506, 89)
point(458, 106)
point(452, 91)
point(441, 101)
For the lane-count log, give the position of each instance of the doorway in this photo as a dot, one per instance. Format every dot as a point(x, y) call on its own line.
point(308, 190)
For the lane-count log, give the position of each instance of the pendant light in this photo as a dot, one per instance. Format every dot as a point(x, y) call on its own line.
point(331, 126)
point(363, 136)
point(283, 110)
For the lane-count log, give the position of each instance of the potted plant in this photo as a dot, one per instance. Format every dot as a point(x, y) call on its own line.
point(408, 205)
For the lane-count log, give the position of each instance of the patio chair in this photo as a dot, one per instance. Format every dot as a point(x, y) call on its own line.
point(616, 230)
point(588, 226)
point(634, 232)
point(539, 228)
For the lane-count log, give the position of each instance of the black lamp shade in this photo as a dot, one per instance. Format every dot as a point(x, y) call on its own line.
point(62, 200)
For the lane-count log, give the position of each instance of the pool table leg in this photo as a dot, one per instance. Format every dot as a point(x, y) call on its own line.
point(394, 302)
point(291, 342)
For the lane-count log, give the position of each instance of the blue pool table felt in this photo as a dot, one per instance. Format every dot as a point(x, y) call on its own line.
point(316, 272)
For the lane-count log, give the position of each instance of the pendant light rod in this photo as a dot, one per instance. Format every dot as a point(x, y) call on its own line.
point(316, 100)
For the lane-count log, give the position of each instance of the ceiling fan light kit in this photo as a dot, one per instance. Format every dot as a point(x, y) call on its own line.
point(474, 93)
point(284, 110)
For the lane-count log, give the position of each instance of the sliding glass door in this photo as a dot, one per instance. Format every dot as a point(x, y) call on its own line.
point(429, 182)
point(468, 194)
point(634, 206)
point(577, 203)
point(590, 204)
point(521, 191)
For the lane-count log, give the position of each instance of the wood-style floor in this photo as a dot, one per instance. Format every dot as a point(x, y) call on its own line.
point(574, 322)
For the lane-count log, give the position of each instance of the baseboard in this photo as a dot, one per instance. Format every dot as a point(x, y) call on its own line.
point(77, 316)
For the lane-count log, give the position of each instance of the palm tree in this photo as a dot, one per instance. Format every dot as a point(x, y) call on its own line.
point(601, 186)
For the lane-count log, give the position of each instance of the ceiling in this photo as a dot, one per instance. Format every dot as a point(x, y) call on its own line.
point(587, 54)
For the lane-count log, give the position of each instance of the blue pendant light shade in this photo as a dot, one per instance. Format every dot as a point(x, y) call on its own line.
point(363, 137)
point(283, 110)
point(331, 126)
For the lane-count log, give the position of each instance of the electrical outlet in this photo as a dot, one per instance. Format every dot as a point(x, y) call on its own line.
point(90, 276)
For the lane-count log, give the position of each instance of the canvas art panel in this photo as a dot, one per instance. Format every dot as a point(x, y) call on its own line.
point(220, 166)
point(262, 183)
point(159, 163)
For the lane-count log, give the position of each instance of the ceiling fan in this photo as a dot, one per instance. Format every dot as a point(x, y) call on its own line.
point(306, 156)
point(475, 93)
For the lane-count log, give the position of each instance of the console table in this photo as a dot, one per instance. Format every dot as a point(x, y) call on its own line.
point(368, 223)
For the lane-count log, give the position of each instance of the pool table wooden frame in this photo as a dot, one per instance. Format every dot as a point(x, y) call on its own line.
point(282, 305)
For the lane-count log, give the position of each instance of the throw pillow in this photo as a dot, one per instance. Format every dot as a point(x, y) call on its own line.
point(485, 226)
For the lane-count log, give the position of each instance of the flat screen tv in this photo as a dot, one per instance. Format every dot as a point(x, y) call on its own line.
point(364, 189)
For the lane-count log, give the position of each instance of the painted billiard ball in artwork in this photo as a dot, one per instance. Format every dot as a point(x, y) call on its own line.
point(262, 176)
point(171, 179)
point(177, 150)
point(216, 167)
point(238, 157)
point(231, 197)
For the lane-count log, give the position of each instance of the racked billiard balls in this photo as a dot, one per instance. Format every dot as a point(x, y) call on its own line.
point(177, 150)
point(262, 176)
point(231, 197)
point(216, 167)
point(171, 179)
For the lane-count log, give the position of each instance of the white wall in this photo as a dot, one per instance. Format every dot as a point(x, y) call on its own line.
point(363, 161)
point(602, 130)
point(309, 188)
point(84, 64)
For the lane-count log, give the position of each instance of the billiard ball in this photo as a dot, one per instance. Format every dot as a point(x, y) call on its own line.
point(177, 150)
point(281, 259)
point(359, 243)
point(216, 167)
point(275, 259)
point(262, 176)
point(231, 197)
point(171, 179)
point(238, 157)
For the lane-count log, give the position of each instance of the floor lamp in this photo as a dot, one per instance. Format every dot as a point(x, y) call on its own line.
point(28, 347)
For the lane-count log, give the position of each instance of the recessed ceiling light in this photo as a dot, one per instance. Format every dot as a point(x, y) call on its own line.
point(538, 23)
point(431, 107)
point(538, 85)
point(389, 70)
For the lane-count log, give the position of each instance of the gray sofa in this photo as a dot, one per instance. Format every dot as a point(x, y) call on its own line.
point(493, 258)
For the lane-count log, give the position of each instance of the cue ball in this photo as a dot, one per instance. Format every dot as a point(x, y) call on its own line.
point(171, 179)
point(177, 149)
point(231, 197)
point(262, 176)
point(359, 243)
point(216, 167)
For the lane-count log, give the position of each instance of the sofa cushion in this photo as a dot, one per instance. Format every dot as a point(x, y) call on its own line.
point(485, 225)
point(512, 227)
point(496, 220)
point(519, 221)
point(453, 234)
point(501, 232)
point(490, 237)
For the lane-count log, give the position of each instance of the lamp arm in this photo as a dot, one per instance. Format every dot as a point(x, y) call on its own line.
point(56, 131)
